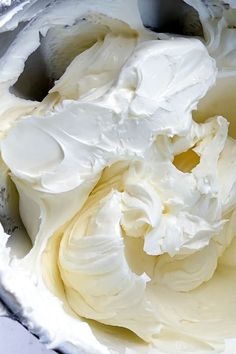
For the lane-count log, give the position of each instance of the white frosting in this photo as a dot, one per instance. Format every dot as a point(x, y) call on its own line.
point(218, 20)
point(128, 202)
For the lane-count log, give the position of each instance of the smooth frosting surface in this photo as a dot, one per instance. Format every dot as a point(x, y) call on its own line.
point(129, 203)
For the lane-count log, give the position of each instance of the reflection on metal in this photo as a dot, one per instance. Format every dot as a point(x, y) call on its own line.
point(5, 5)
point(17, 340)
point(170, 16)
point(19, 241)
point(6, 38)
point(34, 82)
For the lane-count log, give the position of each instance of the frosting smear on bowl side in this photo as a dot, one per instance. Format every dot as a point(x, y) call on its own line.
point(127, 196)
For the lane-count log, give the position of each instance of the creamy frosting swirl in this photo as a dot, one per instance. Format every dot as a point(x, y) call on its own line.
point(124, 196)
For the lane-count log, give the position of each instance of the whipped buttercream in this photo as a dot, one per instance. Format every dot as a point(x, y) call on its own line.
point(128, 202)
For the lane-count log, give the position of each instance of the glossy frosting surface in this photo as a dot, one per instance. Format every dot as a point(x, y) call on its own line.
point(128, 201)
